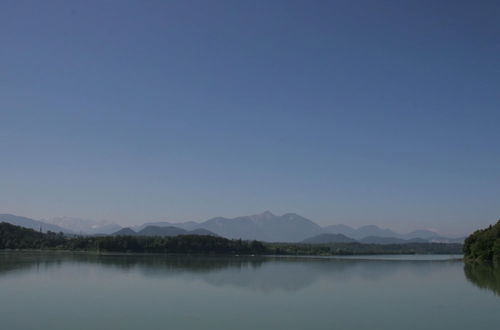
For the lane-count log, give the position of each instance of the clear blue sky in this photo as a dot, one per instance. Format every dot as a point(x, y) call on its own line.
point(356, 112)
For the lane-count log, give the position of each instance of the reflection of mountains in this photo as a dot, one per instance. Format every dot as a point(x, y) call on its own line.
point(484, 276)
point(256, 273)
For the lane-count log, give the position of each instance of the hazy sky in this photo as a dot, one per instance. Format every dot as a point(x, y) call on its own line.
point(356, 112)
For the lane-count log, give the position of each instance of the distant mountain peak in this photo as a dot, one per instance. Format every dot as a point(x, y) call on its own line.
point(162, 231)
point(329, 238)
point(125, 232)
point(369, 227)
point(265, 226)
point(266, 214)
point(341, 225)
point(262, 217)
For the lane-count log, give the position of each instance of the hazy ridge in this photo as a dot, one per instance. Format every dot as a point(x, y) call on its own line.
point(266, 226)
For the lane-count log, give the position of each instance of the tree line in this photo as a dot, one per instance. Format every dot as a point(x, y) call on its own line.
point(15, 237)
point(18, 238)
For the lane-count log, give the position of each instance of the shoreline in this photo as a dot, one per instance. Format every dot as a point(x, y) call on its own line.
point(356, 257)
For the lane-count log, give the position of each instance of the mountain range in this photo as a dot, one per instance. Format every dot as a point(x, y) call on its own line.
point(329, 238)
point(32, 224)
point(84, 226)
point(162, 231)
point(340, 238)
point(266, 226)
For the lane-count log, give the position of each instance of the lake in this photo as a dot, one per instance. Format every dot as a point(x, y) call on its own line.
point(83, 291)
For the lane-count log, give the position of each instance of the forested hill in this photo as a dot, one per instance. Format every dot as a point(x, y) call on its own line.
point(484, 245)
point(15, 237)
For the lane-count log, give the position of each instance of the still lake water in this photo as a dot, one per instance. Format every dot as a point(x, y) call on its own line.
point(70, 292)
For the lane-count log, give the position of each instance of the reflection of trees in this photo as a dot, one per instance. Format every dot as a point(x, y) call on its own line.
point(485, 276)
point(256, 273)
point(12, 261)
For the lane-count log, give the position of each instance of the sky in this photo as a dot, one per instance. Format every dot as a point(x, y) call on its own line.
point(355, 112)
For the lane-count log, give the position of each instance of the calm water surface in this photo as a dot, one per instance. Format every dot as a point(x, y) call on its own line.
point(67, 292)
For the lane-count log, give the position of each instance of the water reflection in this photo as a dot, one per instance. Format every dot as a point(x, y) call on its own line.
point(484, 276)
point(256, 273)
